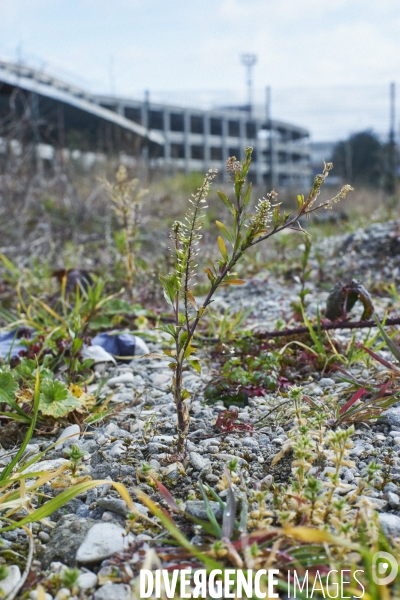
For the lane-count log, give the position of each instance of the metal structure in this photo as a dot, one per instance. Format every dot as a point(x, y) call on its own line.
point(390, 183)
point(168, 137)
point(249, 60)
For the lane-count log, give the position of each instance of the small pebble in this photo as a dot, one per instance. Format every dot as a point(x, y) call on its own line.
point(44, 537)
point(121, 379)
point(326, 382)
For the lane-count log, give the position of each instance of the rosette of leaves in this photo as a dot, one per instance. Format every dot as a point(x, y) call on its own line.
point(55, 399)
point(243, 377)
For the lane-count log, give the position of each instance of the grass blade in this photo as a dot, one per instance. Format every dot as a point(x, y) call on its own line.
point(30, 431)
point(228, 518)
point(55, 503)
point(381, 360)
point(6, 398)
point(314, 336)
point(174, 531)
point(352, 400)
point(169, 499)
point(394, 348)
point(210, 513)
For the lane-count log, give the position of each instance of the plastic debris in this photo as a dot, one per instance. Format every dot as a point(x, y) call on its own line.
point(123, 346)
point(10, 342)
point(97, 354)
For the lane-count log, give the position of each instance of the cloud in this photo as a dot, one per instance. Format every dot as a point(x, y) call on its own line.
point(183, 45)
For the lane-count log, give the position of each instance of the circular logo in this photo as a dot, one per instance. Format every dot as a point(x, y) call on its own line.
point(384, 568)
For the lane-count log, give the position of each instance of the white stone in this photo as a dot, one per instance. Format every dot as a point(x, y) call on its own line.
point(392, 416)
point(46, 465)
point(119, 506)
point(161, 379)
point(126, 395)
point(166, 439)
point(137, 426)
point(378, 503)
point(226, 457)
point(86, 581)
point(197, 461)
point(34, 595)
point(111, 429)
point(62, 594)
point(173, 471)
point(101, 541)
point(393, 499)
point(317, 390)
point(158, 365)
point(57, 567)
point(117, 449)
point(13, 578)
point(326, 382)
point(113, 591)
point(33, 448)
point(357, 450)
point(71, 432)
point(197, 508)
point(278, 440)
point(210, 442)
point(390, 524)
point(121, 379)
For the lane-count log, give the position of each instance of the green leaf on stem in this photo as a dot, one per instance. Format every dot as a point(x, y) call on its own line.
point(195, 363)
point(225, 232)
point(247, 195)
point(222, 248)
point(300, 202)
point(226, 201)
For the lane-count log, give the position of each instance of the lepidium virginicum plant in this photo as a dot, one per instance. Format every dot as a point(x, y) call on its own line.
point(247, 230)
point(127, 204)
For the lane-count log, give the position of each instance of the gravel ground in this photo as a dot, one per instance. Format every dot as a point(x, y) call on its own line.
point(90, 531)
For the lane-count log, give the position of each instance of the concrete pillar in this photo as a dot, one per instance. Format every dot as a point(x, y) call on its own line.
point(242, 137)
point(186, 139)
point(206, 143)
point(167, 143)
point(224, 143)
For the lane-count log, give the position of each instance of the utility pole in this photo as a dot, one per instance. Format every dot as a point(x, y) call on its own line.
point(391, 151)
point(270, 153)
point(249, 60)
point(146, 124)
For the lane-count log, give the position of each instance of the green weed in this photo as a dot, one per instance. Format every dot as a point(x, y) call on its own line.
point(247, 230)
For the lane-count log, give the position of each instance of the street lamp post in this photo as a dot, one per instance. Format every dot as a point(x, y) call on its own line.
point(249, 60)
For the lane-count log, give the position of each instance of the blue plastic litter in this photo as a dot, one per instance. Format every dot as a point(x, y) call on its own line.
point(117, 344)
point(10, 345)
point(120, 344)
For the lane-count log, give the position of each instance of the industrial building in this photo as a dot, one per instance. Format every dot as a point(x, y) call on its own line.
point(168, 137)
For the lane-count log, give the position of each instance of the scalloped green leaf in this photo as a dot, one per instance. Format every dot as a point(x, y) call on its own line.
point(55, 399)
point(7, 384)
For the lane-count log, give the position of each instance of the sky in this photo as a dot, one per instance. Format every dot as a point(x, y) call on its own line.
point(329, 64)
